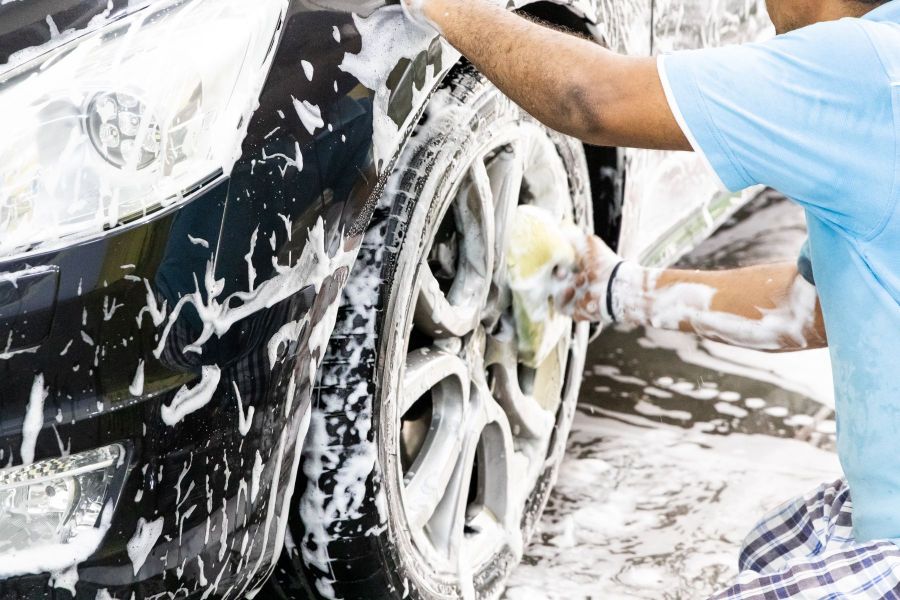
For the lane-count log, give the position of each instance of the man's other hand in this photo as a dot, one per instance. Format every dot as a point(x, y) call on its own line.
point(583, 293)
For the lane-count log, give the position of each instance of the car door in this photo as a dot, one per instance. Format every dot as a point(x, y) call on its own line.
point(672, 199)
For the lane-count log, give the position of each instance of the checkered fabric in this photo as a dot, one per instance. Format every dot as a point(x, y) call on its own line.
point(805, 549)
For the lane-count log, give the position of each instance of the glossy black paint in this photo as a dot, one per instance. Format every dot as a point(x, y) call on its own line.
point(27, 305)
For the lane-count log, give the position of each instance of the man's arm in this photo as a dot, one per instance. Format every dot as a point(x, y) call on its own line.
point(569, 83)
point(768, 307)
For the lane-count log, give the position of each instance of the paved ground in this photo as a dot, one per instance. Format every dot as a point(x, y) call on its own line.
point(679, 446)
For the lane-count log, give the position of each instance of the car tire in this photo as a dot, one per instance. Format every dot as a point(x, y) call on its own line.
point(377, 455)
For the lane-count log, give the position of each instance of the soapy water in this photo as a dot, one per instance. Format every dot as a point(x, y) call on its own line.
point(643, 510)
point(680, 445)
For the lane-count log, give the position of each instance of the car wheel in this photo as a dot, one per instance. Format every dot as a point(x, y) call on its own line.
point(432, 448)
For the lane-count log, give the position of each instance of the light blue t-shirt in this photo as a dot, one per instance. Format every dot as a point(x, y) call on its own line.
point(814, 114)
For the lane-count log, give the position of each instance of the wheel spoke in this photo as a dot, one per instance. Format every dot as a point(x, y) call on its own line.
point(457, 311)
point(481, 202)
point(493, 513)
point(505, 171)
point(430, 369)
point(435, 477)
point(445, 376)
point(496, 456)
point(486, 435)
point(475, 218)
point(446, 526)
point(436, 315)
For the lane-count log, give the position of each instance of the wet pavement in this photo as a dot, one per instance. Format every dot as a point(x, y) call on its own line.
point(680, 445)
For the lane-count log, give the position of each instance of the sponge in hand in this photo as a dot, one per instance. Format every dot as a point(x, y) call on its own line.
point(538, 246)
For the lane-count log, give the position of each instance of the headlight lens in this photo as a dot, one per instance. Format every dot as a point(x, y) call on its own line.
point(57, 509)
point(127, 119)
point(114, 124)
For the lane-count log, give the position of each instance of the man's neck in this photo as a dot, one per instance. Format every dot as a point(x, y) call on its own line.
point(839, 9)
point(820, 11)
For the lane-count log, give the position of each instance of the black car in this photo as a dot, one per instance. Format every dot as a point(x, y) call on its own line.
point(255, 334)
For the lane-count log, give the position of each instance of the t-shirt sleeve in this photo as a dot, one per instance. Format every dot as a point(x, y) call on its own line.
point(808, 113)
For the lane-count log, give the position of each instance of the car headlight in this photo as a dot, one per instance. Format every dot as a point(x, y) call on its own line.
point(53, 513)
point(129, 118)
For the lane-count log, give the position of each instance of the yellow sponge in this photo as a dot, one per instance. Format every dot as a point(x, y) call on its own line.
point(538, 244)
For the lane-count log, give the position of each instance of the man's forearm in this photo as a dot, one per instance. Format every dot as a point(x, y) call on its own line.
point(570, 84)
point(770, 307)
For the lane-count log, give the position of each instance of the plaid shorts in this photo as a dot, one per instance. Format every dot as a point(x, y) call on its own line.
point(805, 549)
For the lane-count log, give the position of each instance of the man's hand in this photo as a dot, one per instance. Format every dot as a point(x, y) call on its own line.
point(583, 294)
point(569, 83)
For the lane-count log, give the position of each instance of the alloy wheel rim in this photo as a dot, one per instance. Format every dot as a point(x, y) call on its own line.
point(474, 423)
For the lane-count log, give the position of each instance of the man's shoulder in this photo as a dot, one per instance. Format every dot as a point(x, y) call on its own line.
point(884, 37)
point(860, 56)
point(827, 37)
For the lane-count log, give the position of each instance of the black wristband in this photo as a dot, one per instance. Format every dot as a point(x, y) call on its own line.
point(609, 287)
